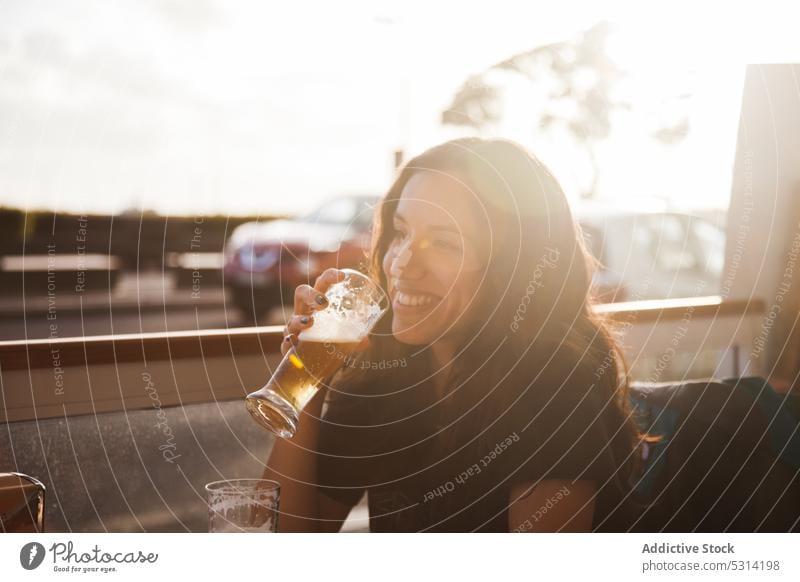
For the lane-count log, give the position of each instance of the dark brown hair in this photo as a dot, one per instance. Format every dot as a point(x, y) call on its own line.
point(536, 294)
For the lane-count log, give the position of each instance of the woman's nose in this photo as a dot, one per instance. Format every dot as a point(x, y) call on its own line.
point(405, 259)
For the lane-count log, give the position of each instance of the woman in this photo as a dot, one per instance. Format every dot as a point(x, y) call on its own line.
point(489, 397)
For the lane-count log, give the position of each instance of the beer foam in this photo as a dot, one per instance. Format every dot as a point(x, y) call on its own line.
point(351, 312)
point(333, 330)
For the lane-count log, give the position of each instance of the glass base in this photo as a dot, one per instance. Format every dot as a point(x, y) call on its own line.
point(273, 412)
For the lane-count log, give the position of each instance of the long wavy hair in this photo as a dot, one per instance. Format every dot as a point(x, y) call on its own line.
point(528, 304)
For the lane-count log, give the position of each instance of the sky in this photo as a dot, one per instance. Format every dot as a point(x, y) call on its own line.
point(222, 106)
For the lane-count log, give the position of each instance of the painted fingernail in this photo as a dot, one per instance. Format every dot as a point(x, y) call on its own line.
point(321, 299)
point(304, 319)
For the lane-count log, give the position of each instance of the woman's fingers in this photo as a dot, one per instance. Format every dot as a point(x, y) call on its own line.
point(288, 341)
point(304, 297)
point(328, 278)
point(308, 299)
point(297, 323)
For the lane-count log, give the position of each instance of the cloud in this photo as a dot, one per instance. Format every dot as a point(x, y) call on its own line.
point(44, 48)
point(99, 70)
point(194, 16)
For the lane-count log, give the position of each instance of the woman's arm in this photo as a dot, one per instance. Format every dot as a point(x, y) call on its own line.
point(293, 464)
point(552, 505)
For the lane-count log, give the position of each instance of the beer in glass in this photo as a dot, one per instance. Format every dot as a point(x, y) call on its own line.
point(355, 304)
point(243, 505)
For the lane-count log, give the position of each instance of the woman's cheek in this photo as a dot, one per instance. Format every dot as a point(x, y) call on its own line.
point(388, 257)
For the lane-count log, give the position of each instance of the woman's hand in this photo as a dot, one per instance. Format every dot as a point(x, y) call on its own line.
point(294, 462)
point(571, 506)
point(307, 300)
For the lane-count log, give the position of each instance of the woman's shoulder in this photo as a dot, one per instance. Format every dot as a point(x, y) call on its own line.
point(367, 393)
point(348, 393)
point(555, 402)
point(556, 370)
point(556, 431)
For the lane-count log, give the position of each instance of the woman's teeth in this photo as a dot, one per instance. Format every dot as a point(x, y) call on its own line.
point(413, 300)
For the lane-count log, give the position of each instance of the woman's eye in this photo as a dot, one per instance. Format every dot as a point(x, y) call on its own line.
point(447, 245)
point(398, 234)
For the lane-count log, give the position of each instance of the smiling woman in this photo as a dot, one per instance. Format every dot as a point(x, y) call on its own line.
point(434, 263)
point(502, 420)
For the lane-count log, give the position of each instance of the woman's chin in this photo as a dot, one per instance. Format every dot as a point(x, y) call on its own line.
point(411, 337)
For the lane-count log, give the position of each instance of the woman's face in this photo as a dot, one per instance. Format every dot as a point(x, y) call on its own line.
point(434, 263)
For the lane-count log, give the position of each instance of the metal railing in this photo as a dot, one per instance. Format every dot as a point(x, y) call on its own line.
point(71, 376)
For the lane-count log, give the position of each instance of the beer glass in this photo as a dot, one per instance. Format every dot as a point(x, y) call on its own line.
point(355, 304)
point(243, 505)
point(21, 503)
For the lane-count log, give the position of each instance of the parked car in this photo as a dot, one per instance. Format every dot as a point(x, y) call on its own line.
point(653, 255)
point(264, 262)
point(642, 255)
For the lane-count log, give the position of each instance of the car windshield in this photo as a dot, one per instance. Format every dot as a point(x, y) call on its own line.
point(342, 211)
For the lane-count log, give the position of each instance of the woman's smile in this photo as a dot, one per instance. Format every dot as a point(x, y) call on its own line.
point(432, 266)
point(406, 299)
point(455, 240)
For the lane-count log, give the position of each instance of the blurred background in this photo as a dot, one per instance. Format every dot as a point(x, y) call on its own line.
point(171, 166)
point(180, 167)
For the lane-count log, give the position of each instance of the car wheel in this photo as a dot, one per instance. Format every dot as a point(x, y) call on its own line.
point(253, 303)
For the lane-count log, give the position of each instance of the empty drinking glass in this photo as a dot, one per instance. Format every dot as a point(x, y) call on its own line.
point(355, 304)
point(243, 505)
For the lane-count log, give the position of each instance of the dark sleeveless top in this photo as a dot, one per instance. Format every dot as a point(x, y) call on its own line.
point(425, 471)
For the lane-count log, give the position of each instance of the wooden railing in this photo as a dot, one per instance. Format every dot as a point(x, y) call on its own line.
point(53, 378)
point(61, 377)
